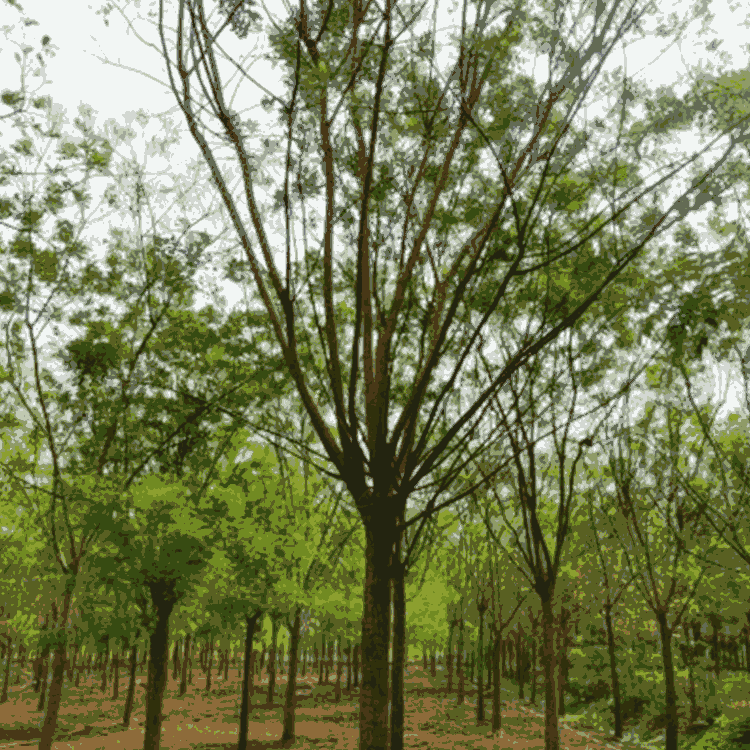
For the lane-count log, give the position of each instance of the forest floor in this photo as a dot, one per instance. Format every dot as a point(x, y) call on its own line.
point(90, 720)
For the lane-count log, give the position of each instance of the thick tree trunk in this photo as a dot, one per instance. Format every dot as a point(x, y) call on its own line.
point(616, 707)
point(399, 654)
point(131, 684)
point(290, 702)
point(551, 732)
point(376, 626)
point(185, 664)
point(58, 673)
point(670, 692)
point(158, 664)
point(247, 678)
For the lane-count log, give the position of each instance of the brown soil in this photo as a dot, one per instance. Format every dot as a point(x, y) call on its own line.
point(90, 720)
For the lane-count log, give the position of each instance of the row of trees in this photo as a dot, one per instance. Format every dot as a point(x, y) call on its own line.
point(162, 456)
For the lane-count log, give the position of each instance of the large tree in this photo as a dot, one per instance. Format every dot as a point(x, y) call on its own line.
point(448, 198)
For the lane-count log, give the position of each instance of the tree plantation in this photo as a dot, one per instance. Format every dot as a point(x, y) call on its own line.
point(410, 409)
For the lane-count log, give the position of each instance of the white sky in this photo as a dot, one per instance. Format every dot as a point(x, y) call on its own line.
point(78, 75)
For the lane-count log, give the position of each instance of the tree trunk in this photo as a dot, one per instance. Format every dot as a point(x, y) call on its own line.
point(209, 663)
point(519, 662)
point(43, 674)
point(424, 657)
point(290, 702)
point(131, 684)
point(433, 666)
point(176, 660)
point(247, 678)
point(460, 662)
point(348, 667)
point(551, 732)
point(304, 662)
point(105, 664)
point(321, 665)
point(496, 717)
point(688, 659)
point(670, 692)
point(226, 665)
point(715, 651)
point(376, 627)
point(357, 649)
point(399, 652)
point(449, 656)
point(185, 663)
point(58, 666)
point(6, 676)
point(616, 708)
point(480, 668)
point(115, 676)
point(339, 667)
point(158, 664)
point(272, 660)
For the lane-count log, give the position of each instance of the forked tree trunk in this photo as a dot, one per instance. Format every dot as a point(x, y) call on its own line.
point(247, 678)
point(290, 702)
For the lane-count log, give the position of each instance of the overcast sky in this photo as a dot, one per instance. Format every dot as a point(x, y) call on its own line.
point(79, 74)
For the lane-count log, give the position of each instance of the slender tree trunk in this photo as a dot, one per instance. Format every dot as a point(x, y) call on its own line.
point(158, 665)
point(226, 665)
point(348, 667)
point(519, 662)
point(247, 678)
point(357, 650)
point(304, 662)
point(616, 707)
point(670, 692)
point(272, 660)
point(290, 702)
point(496, 716)
point(58, 673)
point(480, 668)
point(105, 664)
point(209, 662)
point(176, 660)
point(433, 666)
point(115, 676)
point(460, 662)
point(688, 658)
point(321, 665)
point(424, 657)
point(399, 652)
point(376, 626)
point(6, 676)
point(44, 674)
point(551, 732)
point(185, 663)
point(339, 667)
point(131, 684)
point(716, 651)
point(449, 656)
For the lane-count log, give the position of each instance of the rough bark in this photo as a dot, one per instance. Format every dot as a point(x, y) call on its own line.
point(290, 702)
point(247, 678)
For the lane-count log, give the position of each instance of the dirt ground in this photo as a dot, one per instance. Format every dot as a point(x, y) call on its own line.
point(90, 720)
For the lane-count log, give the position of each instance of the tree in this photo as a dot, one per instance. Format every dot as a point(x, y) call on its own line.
point(378, 340)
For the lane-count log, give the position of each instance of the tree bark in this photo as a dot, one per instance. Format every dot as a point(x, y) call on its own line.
point(58, 672)
point(480, 667)
point(433, 666)
point(162, 596)
point(290, 702)
point(399, 651)
point(185, 663)
point(496, 716)
point(616, 707)
point(176, 660)
point(449, 656)
point(460, 662)
point(115, 676)
point(339, 667)
point(209, 662)
point(670, 692)
point(131, 684)
point(6, 676)
point(357, 649)
point(272, 660)
point(247, 678)
point(376, 626)
point(551, 732)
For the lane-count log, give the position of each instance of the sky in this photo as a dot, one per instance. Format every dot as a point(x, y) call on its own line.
point(118, 68)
